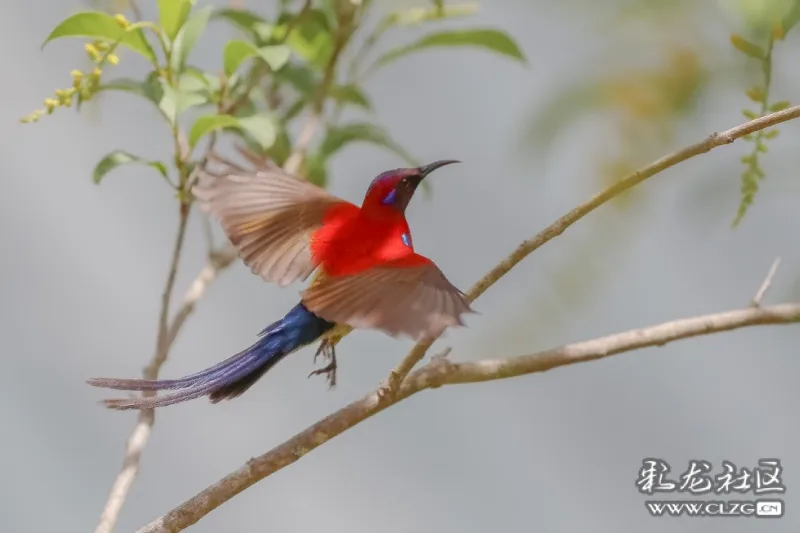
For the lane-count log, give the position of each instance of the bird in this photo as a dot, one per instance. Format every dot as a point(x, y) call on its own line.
point(368, 274)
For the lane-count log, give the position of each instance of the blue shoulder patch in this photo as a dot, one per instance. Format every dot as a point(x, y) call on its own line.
point(406, 239)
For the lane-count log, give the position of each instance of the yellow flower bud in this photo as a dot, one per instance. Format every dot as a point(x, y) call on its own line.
point(77, 77)
point(50, 104)
point(65, 96)
point(121, 20)
point(96, 72)
point(111, 58)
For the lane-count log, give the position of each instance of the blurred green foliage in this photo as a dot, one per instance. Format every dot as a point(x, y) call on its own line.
point(645, 105)
point(658, 61)
point(769, 23)
point(282, 68)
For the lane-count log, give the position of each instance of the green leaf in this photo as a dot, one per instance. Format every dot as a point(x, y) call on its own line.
point(102, 27)
point(282, 147)
point(791, 18)
point(234, 53)
point(301, 77)
point(260, 127)
point(241, 18)
point(756, 94)
point(120, 157)
point(195, 80)
point(350, 94)
point(187, 37)
point(329, 9)
point(208, 123)
point(751, 115)
point(276, 56)
point(419, 15)
point(172, 14)
point(175, 101)
point(312, 39)
point(261, 31)
point(779, 106)
point(742, 44)
point(237, 51)
point(494, 40)
point(338, 137)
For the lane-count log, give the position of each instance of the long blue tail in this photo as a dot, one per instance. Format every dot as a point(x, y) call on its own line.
point(231, 377)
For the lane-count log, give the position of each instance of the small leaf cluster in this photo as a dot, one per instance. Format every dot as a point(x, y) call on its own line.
point(281, 69)
point(770, 32)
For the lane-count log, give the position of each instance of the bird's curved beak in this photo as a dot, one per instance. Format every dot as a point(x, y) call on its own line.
point(424, 170)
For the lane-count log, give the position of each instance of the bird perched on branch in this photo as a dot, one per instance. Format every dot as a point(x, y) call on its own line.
point(368, 274)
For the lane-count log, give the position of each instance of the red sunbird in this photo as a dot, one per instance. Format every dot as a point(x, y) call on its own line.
point(369, 275)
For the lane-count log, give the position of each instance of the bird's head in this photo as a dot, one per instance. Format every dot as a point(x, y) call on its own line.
point(394, 188)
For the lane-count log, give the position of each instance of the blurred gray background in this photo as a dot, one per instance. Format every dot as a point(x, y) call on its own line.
point(83, 267)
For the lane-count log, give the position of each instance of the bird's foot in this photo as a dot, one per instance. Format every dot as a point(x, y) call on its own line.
point(328, 351)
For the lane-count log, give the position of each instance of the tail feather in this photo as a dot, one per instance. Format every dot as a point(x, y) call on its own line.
point(233, 376)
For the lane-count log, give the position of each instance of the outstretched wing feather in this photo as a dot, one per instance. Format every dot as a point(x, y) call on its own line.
point(413, 300)
point(270, 217)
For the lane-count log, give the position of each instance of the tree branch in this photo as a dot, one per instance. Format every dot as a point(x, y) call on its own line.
point(440, 372)
point(557, 228)
point(141, 432)
point(767, 283)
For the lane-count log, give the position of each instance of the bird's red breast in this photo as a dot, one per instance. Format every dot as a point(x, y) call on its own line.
point(352, 240)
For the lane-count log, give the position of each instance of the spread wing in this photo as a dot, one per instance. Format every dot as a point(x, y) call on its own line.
point(269, 216)
point(408, 296)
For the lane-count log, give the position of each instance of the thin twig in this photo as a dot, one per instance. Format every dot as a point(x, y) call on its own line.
point(767, 283)
point(557, 228)
point(217, 262)
point(295, 160)
point(133, 5)
point(141, 432)
point(443, 372)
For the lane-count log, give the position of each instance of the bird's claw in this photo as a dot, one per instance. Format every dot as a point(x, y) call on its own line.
point(327, 350)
